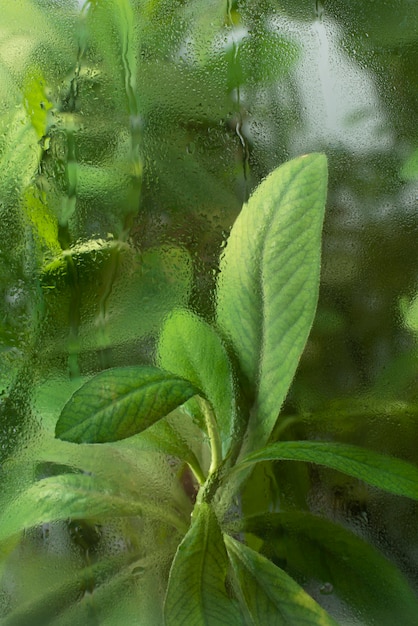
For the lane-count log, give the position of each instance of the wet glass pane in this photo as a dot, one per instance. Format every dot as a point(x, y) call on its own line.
point(132, 133)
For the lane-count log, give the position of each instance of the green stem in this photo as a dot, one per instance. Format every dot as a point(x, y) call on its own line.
point(197, 471)
point(213, 434)
point(209, 489)
point(231, 485)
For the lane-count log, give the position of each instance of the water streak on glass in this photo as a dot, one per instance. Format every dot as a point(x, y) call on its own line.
point(131, 134)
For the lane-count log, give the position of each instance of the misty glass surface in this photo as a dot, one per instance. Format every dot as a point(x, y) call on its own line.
point(131, 133)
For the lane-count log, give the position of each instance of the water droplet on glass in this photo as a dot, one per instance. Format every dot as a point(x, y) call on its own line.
point(131, 134)
point(326, 589)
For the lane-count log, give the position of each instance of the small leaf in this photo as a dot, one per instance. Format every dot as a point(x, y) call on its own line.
point(88, 255)
point(121, 402)
point(76, 496)
point(164, 437)
point(380, 470)
point(190, 348)
point(125, 295)
point(319, 549)
point(268, 594)
point(36, 101)
point(196, 591)
point(19, 157)
point(43, 220)
point(268, 283)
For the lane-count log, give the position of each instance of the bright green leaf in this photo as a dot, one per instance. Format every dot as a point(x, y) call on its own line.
point(268, 283)
point(268, 595)
point(36, 101)
point(190, 348)
point(43, 220)
point(380, 470)
point(196, 591)
point(121, 402)
point(19, 158)
point(319, 549)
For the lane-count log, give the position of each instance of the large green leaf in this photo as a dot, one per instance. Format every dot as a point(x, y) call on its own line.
point(268, 595)
point(190, 348)
point(196, 593)
point(121, 402)
point(75, 496)
point(268, 283)
point(357, 572)
point(380, 470)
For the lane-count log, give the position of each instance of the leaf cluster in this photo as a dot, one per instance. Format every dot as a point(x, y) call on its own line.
point(213, 403)
point(191, 92)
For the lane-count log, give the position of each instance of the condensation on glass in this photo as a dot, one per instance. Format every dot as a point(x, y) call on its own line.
point(131, 133)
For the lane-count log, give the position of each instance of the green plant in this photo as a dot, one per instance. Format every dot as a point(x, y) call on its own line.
point(131, 132)
point(209, 411)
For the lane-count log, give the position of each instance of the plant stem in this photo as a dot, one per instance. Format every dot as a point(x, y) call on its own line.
point(213, 434)
point(197, 471)
point(231, 485)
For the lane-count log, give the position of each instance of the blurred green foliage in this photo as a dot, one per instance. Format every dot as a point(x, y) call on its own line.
point(131, 132)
